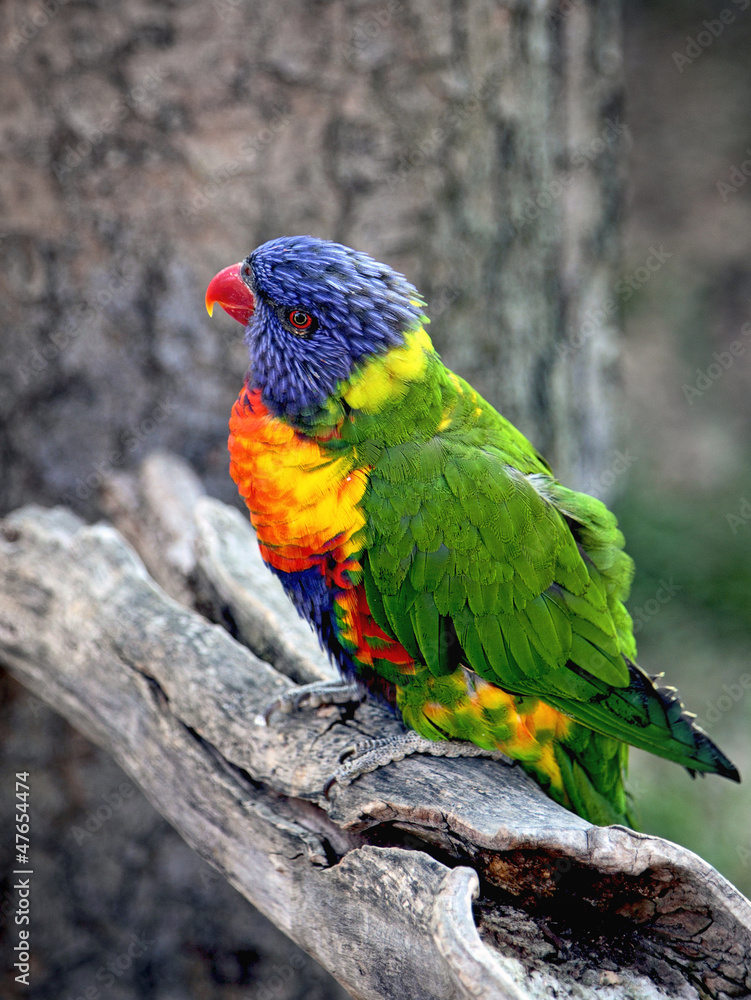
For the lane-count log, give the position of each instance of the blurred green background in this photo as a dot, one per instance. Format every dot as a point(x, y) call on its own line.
point(687, 424)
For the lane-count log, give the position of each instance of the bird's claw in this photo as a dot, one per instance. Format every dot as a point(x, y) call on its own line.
point(357, 759)
point(313, 696)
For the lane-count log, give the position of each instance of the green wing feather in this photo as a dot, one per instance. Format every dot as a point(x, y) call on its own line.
point(477, 555)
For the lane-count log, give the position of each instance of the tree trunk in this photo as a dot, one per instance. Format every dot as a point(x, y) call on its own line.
point(475, 146)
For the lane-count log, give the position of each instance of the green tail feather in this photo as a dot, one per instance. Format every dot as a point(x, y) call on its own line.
point(652, 718)
point(593, 780)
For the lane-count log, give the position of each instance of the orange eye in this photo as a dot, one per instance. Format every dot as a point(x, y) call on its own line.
point(299, 320)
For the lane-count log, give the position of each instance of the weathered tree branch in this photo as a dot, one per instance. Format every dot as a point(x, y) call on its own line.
point(376, 881)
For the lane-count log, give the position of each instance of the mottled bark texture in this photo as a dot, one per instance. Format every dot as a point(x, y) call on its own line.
point(475, 146)
point(376, 880)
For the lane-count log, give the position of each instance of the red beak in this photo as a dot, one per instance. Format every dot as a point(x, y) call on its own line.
point(233, 295)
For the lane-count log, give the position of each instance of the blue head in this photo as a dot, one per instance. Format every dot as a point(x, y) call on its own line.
point(315, 310)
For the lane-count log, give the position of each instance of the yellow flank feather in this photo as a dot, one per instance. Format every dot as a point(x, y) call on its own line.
point(548, 765)
point(385, 378)
point(463, 706)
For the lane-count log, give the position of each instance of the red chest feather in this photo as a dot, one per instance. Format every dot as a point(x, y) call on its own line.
point(304, 501)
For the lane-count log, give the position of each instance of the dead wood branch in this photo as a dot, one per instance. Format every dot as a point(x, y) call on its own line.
point(377, 882)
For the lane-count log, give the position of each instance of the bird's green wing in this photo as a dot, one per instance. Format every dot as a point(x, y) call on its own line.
point(470, 560)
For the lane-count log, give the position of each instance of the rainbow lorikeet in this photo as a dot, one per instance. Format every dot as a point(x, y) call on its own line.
point(431, 547)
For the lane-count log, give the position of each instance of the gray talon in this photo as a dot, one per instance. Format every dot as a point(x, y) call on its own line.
point(314, 695)
point(361, 758)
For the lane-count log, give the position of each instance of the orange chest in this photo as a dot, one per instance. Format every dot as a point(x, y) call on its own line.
point(304, 500)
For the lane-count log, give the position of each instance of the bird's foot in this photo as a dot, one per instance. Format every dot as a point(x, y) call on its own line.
point(334, 692)
point(360, 758)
